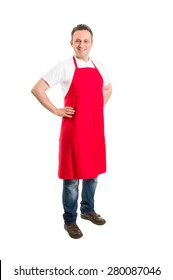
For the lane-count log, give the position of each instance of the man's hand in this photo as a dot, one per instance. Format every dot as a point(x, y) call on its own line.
point(67, 112)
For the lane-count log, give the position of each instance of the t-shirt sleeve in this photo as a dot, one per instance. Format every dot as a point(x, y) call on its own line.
point(104, 73)
point(54, 75)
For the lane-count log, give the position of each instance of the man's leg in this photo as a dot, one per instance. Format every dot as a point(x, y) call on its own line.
point(88, 192)
point(70, 200)
point(87, 203)
point(70, 203)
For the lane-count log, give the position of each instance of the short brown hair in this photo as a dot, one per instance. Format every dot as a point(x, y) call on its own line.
point(81, 27)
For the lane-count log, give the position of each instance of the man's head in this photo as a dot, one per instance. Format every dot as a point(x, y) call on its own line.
point(82, 41)
point(81, 27)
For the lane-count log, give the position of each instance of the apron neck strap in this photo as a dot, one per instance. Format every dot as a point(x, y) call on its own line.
point(75, 63)
point(93, 64)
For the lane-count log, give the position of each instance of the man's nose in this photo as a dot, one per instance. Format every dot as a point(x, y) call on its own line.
point(81, 44)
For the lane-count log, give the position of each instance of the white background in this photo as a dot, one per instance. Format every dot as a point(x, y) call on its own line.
point(133, 39)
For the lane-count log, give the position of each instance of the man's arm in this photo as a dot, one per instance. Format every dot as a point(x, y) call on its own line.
point(107, 91)
point(39, 91)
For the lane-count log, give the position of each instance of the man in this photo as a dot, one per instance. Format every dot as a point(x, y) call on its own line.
point(82, 155)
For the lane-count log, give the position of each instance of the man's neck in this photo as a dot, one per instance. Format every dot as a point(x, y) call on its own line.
point(85, 59)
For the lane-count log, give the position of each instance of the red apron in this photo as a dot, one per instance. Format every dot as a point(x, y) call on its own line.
point(82, 151)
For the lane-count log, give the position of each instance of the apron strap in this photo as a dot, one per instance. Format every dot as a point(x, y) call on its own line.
point(93, 64)
point(75, 63)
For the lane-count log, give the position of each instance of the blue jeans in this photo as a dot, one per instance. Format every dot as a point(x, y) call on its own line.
point(70, 198)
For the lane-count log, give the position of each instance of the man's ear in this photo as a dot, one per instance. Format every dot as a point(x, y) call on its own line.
point(71, 43)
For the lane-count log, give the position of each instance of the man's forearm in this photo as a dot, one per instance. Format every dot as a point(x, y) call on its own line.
point(45, 101)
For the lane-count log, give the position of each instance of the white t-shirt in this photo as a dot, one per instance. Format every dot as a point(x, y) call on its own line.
point(62, 73)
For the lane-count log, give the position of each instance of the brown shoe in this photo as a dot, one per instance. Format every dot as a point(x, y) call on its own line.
point(73, 230)
point(94, 218)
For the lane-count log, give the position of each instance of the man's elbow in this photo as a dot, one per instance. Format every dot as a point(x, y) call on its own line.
point(33, 91)
point(39, 88)
point(109, 90)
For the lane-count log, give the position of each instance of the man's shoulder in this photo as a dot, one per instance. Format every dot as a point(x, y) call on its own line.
point(66, 62)
point(62, 65)
point(103, 70)
point(98, 63)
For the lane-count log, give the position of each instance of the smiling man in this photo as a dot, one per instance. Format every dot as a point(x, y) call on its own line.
point(86, 88)
point(82, 42)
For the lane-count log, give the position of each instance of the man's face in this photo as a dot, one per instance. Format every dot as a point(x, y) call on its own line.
point(82, 44)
